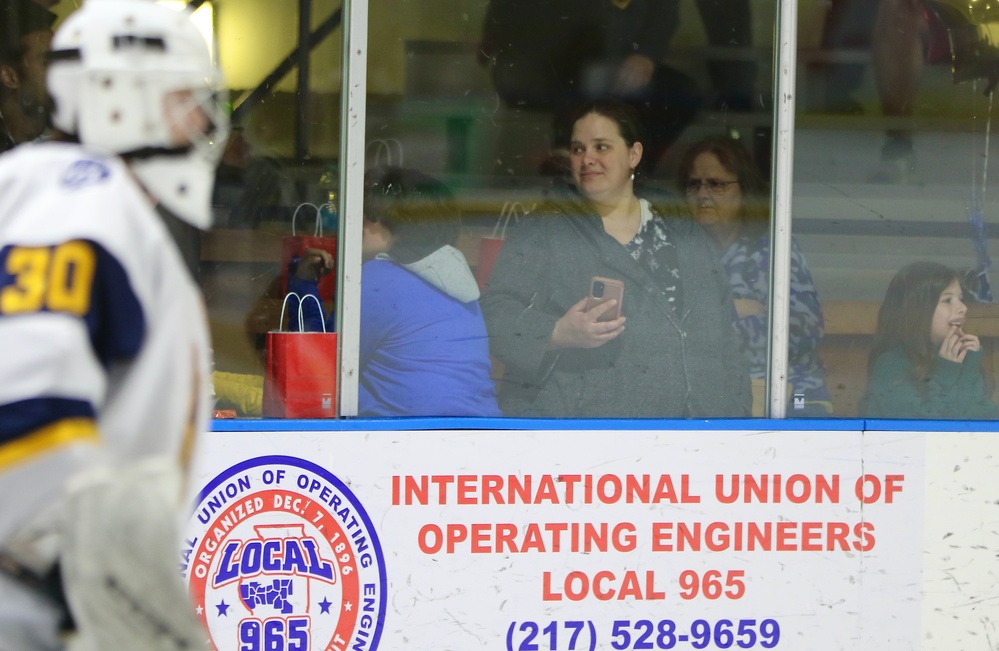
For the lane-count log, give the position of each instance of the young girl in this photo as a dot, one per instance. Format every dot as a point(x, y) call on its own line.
point(923, 364)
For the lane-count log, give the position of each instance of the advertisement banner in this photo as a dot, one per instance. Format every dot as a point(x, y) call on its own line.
point(569, 540)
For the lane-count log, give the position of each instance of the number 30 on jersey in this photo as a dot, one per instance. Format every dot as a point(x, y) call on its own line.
point(47, 278)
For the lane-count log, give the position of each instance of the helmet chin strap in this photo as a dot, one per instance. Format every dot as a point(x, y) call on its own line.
point(151, 152)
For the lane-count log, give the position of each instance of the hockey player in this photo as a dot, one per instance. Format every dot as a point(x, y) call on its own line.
point(105, 352)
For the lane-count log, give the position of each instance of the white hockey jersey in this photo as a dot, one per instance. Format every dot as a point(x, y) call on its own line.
point(104, 351)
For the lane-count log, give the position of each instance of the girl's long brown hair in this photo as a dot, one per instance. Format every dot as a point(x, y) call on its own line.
point(906, 315)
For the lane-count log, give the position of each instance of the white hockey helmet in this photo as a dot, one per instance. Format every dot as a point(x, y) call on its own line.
point(120, 74)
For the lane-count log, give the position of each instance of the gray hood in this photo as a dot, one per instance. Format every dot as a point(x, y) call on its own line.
point(447, 270)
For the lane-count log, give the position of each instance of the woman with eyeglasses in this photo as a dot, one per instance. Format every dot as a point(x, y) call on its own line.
point(670, 353)
point(728, 197)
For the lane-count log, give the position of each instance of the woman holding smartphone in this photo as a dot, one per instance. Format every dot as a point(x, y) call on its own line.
point(671, 353)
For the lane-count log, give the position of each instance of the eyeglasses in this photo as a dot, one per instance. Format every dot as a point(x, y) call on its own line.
point(714, 186)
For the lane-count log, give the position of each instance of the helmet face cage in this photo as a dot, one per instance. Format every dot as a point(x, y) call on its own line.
point(136, 78)
point(195, 117)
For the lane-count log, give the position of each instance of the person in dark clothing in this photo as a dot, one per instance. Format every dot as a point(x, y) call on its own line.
point(902, 36)
point(552, 54)
point(25, 34)
point(672, 352)
point(729, 23)
point(848, 26)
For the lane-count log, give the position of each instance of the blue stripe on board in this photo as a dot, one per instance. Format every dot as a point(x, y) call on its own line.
point(742, 424)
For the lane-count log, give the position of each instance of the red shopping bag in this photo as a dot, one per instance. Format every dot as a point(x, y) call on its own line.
point(300, 376)
point(294, 246)
point(489, 247)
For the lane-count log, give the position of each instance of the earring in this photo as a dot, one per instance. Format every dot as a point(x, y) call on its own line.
point(632, 174)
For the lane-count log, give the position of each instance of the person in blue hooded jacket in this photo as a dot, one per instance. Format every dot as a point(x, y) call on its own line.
point(424, 349)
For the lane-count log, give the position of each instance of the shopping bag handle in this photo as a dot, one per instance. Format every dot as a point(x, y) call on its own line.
point(385, 146)
point(301, 320)
point(318, 230)
point(511, 210)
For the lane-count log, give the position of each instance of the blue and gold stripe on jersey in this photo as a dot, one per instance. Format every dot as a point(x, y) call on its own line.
point(36, 426)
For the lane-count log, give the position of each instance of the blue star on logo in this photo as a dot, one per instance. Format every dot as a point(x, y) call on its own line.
point(223, 609)
point(324, 606)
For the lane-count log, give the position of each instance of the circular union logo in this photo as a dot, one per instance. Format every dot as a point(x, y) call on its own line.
point(280, 556)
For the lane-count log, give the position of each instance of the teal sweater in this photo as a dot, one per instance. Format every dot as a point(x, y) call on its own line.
point(954, 390)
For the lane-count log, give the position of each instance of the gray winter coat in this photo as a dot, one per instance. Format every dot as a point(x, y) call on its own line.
point(664, 364)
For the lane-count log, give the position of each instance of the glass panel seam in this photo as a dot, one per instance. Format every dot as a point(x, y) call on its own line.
point(783, 171)
point(353, 111)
